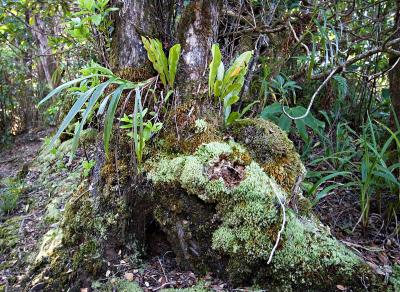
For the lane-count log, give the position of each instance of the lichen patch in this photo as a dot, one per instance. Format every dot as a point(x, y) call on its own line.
point(231, 172)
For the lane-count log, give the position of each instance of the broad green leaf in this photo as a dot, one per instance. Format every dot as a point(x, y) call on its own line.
point(214, 66)
point(285, 123)
point(173, 59)
point(221, 72)
point(217, 88)
point(301, 127)
point(157, 57)
point(271, 110)
point(96, 19)
point(240, 66)
point(232, 117)
point(233, 89)
point(230, 100)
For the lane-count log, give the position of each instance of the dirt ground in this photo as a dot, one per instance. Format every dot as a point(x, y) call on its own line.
point(21, 152)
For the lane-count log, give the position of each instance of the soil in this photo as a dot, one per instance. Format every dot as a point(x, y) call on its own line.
point(21, 152)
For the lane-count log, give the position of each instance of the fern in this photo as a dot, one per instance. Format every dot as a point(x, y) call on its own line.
point(341, 86)
point(226, 85)
point(166, 68)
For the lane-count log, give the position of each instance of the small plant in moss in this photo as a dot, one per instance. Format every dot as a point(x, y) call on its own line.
point(141, 131)
point(87, 166)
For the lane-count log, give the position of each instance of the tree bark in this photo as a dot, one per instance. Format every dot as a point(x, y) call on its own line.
point(132, 21)
point(47, 62)
point(197, 31)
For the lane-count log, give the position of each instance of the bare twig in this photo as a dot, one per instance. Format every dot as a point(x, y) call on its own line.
point(312, 98)
point(276, 192)
point(298, 40)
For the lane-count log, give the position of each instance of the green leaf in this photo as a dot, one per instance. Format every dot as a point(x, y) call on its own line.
point(109, 118)
point(214, 66)
point(237, 71)
point(96, 19)
point(233, 89)
point(103, 105)
point(271, 110)
point(230, 100)
point(64, 86)
point(71, 114)
point(285, 123)
point(217, 88)
point(157, 57)
point(326, 178)
point(92, 101)
point(221, 72)
point(301, 127)
point(248, 107)
point(233, 116)
point(173, 59)
point(324, 192)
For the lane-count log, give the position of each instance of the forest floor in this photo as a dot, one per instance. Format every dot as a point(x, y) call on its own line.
point(22, 151)
point(22, 229)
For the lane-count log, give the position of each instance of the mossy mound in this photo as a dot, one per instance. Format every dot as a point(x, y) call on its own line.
point(245, 226)
point(272, 149)
point(9, 238)
point(187, 131)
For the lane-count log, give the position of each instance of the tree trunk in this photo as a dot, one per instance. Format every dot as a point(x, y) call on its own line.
point(197, 31)
point(47, 64)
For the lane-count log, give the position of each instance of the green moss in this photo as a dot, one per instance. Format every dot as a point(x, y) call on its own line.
point(199, 287)
point(53, 212)
point(308, 250)
point(10, 192)
point(395, 277)
point(9, 236)
point(120, 285)
point(49, 243)
point(251, 217)
point(201, 126)
point(271, 148)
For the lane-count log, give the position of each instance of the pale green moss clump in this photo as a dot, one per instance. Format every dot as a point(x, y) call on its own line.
point(251, 217)
point(201, 126)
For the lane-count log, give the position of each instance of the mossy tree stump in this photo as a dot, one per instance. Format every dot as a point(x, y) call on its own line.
point(219, 197)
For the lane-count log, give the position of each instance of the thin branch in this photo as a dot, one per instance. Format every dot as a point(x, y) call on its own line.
point(261, 29)
point(361, 56)
point(298, 40)
point(334, 71)
point(276, 192)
